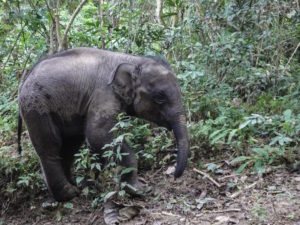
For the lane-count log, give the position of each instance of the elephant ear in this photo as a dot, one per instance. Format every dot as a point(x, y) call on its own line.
point(123, 80)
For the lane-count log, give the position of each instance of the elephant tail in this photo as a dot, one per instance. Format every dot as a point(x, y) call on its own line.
point(19, 133)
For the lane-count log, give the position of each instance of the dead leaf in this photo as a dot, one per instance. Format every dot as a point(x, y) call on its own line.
point(111, 213)
point(203, 194)
point(236, 102)
point(170, 170)
point(115, 213)
point(225, 220)
point(200, 200)
point(128, 213)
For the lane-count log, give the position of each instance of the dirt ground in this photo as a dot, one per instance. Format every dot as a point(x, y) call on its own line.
point(226, 198)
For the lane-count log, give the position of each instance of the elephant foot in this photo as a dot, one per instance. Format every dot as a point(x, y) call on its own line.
point(66, 193)
point(137, 188)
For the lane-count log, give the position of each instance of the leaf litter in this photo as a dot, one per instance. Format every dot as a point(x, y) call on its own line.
point(247, 198)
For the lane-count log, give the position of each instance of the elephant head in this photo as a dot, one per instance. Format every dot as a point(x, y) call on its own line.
point(150, 91)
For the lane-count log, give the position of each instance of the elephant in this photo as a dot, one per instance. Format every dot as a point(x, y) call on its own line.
point(75, 96)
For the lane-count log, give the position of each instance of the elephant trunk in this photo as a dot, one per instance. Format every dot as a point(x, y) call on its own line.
point(181, 136)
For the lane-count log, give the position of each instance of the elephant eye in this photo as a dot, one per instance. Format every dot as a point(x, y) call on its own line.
point(160, 97)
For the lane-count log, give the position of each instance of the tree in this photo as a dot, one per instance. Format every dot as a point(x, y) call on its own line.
point(62, 40)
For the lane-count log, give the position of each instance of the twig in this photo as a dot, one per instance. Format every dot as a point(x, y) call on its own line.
point(225, 211)
point(24, 70)
point(228, 176)
point(209, 177)
point(275, 192)
point(12, 48)
point(273, 207)
point(291, 58)
point(93, 220)
point(169, 214)
point(236, 194)
point(164, 213)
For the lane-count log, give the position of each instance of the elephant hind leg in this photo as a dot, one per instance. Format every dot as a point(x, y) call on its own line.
point(47, 142)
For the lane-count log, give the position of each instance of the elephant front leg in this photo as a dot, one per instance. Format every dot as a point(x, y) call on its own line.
point(135, 187)
point(129, 161)
point(98, 135)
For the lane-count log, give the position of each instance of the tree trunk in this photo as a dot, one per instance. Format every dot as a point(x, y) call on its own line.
point(101, 24)
point(52, 39)
point(159, 8)
point(63, 42)
point(130, 26)
point(57, 24)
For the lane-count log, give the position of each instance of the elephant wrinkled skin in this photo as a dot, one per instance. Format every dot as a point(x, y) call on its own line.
point(76, 95)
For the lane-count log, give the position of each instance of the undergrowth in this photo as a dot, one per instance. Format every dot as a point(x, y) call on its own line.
point(237, 63)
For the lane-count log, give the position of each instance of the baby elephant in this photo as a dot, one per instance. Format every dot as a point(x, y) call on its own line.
point(76, 95)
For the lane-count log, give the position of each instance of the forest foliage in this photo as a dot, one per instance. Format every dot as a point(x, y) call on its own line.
point(237, 61)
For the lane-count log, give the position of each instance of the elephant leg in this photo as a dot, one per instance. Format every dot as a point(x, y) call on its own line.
point(70, 147)
point(97, 133)
point(47, 142)
point(129, 161)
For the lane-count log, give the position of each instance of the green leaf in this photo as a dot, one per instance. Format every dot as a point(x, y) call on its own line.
point(128, 170)
point(231, 134)
point(79, 179)
point(109, 195)
point(243, 125)
point(211, 167)
point(215, 133)
point(262, 152)
point(219, 136)
point(242, 167)
point(259, 167)
point(68, 205)
point(240, 159)
point(287, 115)
point(274, 140)
point(98, 166)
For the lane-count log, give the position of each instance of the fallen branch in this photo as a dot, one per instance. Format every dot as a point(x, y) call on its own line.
point(169, 214)
point(236, 194)
point(209, 177)
point(228, 176)
point(165, 214)
point(225, 211)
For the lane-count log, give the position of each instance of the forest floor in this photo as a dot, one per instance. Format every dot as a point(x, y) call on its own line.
point(226, 198)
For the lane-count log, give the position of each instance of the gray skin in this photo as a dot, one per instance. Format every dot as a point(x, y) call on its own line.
point(76, 95)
